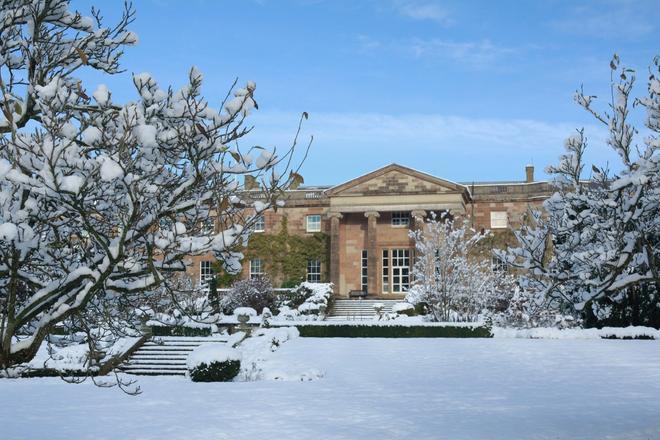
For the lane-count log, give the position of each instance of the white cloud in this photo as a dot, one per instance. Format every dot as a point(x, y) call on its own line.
point(472, 54)
point(423, 11)
point(610, 19)
point(455, 147)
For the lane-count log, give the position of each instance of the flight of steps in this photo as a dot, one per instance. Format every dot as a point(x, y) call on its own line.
point(165, 355)
point(357, 309)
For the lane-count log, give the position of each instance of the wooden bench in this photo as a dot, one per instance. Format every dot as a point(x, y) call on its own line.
point(357, 294)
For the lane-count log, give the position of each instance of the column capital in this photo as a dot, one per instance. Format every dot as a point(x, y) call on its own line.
point(375, 214)
point(418, 214)
point(337, 215)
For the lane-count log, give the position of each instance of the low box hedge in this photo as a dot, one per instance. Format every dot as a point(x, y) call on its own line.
point(392, 331)
point(179, 330)
point(215, 371)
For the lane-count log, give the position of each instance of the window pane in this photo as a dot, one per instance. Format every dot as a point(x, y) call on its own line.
point(205, 271)
point(364, 279)
point(256, 268)
point(499, 220)
point(314, 271)
point(400, 218)
point(314, 223)
point(259, 224)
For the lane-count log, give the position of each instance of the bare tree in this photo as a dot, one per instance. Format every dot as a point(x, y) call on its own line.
point(449, 276)
point(599, 237)
point(100, 202)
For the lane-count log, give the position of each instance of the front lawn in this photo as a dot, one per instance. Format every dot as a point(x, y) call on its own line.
point(372, 388)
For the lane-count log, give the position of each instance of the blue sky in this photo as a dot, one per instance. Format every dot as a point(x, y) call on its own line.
point(464, 90)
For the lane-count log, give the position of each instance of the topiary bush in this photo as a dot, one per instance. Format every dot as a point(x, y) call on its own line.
point(213, 363)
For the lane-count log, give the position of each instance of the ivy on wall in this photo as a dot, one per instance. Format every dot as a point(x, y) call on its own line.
point(285, 256)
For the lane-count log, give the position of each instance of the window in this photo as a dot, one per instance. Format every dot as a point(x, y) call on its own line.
point(314, 223)
point(256, 268)
point(498, 220)
point(400, 219)
point(364, 280)
point(400, 270)
point(205, 272)
point(259, 224)
point(314, 271)
point(386, 271)
point(498, 264)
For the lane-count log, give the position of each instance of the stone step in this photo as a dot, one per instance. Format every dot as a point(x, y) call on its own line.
point(165, 355)
point(167, 348)
point(136, 362)
point(141, 372)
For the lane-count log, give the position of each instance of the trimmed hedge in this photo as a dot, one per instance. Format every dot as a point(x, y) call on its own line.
point(641, 337)
point(215, 371)
point(391, 331)
point(179, 330)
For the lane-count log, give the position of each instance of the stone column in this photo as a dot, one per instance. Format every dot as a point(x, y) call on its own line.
point(334, 249)
point(372, 252)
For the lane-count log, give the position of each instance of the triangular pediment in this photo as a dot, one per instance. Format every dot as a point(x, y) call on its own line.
point(395, 179)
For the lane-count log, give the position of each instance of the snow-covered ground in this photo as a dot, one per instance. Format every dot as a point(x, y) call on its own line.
point(373, 388)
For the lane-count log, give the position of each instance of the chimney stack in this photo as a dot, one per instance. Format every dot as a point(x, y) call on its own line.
point(529, 173)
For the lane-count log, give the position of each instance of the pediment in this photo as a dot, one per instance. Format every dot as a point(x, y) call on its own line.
point(395, 179)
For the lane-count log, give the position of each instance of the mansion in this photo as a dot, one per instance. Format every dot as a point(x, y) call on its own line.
point(365, 223)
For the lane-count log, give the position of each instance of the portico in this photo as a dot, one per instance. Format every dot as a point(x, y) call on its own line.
point(370, 217)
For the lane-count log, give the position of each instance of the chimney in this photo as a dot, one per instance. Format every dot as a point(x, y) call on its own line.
point(529, 173)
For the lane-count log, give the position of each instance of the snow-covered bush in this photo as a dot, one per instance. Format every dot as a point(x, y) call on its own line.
point(404, 308)
point(596, 247)
point(317, 296)
point(523, 310)
point(100, 201)
point(255, 293)
point(454, 283)
point(213, 363)
point(287, 313)
point(245, 311)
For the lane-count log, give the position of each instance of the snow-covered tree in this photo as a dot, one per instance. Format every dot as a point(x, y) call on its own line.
point(449, 274)
point(101, 201)
point(597, 239)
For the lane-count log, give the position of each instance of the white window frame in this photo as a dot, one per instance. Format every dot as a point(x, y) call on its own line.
point(314, 270)
point(400, 264)
point(259, 224)
point(499, 220)
point(385, 272)
point(256, 268)
point(364, 270)
point(205, 271)
point(313, 226)
point(400, 219)
point(498, 264)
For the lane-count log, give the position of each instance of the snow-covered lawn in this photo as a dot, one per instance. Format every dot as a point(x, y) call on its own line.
point(373, 388)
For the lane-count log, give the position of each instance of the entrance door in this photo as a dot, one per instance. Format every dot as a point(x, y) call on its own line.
point(396, 270)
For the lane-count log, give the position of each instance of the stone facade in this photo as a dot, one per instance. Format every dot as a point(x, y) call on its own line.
point(374, 212)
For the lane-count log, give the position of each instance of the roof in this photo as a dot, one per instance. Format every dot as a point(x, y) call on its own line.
point(402, 169)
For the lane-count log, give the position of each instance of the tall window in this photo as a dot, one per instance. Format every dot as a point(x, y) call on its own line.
point(205, 272)
point(498, 264)
point(314, 271)
point(364, 280)
point(386, 271)
point(499, 220)
point(256, 268)
point(400, 270)
point(400, 219)
point(314, 223)
point(259, 224)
